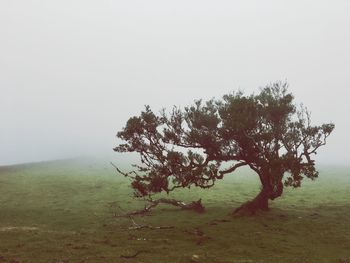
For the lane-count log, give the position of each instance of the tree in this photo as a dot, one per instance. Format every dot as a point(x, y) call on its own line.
point(202, 143)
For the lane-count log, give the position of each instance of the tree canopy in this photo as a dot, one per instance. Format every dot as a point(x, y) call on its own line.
point(201, 143)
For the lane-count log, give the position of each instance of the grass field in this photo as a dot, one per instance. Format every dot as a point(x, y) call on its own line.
point(62, 211)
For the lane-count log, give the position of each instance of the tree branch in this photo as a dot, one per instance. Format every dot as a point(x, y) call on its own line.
point(194, 205)
point(125, 174)
point(231, 169)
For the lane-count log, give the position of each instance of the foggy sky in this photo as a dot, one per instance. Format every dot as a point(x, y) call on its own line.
point(73, 71)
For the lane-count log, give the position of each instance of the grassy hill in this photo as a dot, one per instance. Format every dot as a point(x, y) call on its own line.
point(63, 211)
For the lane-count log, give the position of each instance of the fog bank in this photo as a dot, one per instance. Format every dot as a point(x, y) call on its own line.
point(73, 72)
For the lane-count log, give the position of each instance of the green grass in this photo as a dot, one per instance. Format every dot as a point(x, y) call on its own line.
point(60, 212)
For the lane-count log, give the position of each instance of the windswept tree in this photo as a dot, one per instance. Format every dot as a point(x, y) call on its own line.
point(200, 144)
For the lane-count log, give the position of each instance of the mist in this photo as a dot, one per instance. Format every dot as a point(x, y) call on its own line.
point(73, 72)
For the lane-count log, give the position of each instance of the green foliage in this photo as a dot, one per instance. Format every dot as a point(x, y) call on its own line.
point(198, 145)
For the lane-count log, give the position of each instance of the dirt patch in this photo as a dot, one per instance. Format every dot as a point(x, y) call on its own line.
point(18, 228)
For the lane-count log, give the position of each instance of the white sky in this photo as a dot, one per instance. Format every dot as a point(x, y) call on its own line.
point(73, 71)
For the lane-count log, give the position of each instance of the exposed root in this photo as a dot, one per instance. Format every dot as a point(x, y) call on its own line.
point(200, 236)
point(259, 204)
point(138, 226)
point(250, 208)
point(133, 255)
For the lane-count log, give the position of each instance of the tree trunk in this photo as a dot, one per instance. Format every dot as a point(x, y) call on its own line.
point(270, 191)
point(259, 203)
